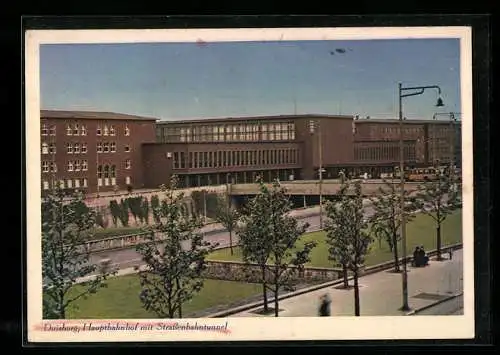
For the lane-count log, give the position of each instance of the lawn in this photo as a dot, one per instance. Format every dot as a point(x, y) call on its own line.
point(121, 299)
point(420, 231)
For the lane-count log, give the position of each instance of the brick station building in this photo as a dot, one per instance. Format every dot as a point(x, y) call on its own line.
point(93, 151)
point(97, 151)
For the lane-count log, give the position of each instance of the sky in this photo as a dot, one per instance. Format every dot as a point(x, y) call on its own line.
point(227, 79)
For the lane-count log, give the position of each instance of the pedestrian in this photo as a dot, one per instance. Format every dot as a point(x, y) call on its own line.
point(324, 308)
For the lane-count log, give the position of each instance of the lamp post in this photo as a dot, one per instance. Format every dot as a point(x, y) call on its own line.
point(402, 93)
point(313, 127)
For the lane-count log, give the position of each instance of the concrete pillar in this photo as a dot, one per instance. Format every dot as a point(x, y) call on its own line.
point(305, 201)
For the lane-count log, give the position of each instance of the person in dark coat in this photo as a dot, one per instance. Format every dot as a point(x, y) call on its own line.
point(416, 257)
point(324, 308)
point(424, 259)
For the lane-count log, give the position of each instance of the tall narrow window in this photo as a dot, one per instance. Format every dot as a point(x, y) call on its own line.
point(76, 129)
point(98, 130)
point(45, 148)
point(69, 131)
point(84, 165)
point(127, 130)
point(76, 148)
point(128, 164)
point(52, 148)
point(70, 166)
point(106, 147)
point(112, 130)
point(84, 148)
point(83, 130)
point(106, 130)
point(99, 147)
point(44, 130)
point(112, 147)
point(69, 148)
point(77, 165)
point(45, 166)
point(53, 130)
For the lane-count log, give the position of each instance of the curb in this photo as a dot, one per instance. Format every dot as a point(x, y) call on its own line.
point(421, 309)
point(368, 271)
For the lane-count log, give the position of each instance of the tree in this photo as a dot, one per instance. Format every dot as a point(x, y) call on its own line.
point(174, 255)
point(438, 198)
point(155, 208)
point(123, 216)
point(228, 216)
point(347, 232)
point(386, 219)
point(145, 210)
point(269, 239)
point(66, 225)
point(115, 212)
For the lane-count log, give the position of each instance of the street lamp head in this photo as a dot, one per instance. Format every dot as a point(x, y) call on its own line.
point(439, 102)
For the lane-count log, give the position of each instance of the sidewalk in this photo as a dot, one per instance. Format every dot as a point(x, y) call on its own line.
point(380, 293)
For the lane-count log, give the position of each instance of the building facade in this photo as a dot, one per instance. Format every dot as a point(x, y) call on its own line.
point(93, 151)
point(211, 151)
point(98, 151)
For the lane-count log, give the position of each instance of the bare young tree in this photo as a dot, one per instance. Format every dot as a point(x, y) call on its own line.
point(174, 255)
point(228, 216)
point(270, 238)
point(66, 224)
point(348, 233)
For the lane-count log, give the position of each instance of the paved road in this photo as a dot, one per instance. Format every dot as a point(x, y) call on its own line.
point(125, 258)
point(380, 293)
point(454, 306)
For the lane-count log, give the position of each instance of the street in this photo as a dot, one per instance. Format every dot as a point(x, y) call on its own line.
point(124, 258)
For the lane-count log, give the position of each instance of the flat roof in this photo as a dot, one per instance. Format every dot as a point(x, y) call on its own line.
point(252, 118)
point(97, 115)
point(395, 121)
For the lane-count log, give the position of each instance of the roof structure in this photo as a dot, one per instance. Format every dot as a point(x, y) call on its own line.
point(91, 115)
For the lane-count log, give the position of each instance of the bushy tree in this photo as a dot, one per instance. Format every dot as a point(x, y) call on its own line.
point(155, 208)
point(438, 198)
point(174, 255)
point(66, 225)
point(348, 232)
point(115, 212)
point(269, 238)
point(145, 210)
point(386, 219)
point(228, 216)
point(123, 216)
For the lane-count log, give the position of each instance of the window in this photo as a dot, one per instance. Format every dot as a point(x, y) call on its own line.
point(112, 131)
point(127, 148)
point(44, 130)
point(76, 148)
point(113, 171)
point(77, 183)
point(99, 147)
point(127, 130)
point(52, 148)
point(69, 131)
point(69, 183)
point(45, 185)
point(128, 164)
point(106, 130)
point(45, 166)
point(70, 166)
point(77, 165)
point(106, 147)
point(84, 148)
point(61, 184)
point(53, 167)
point(76, 130)
point(128, 180)
point(84, 165)
point(45, 148)
point(98, 130)
point(112, 147)
point(85, 183)
point(83, 130)
point(69, 148)
point(53, 130)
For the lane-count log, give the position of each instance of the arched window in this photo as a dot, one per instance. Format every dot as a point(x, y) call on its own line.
point(106, 131)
